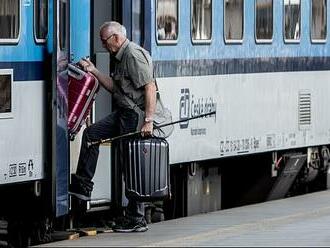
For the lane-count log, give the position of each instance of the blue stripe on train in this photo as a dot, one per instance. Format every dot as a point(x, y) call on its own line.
point(26, 71)
point(238, 66)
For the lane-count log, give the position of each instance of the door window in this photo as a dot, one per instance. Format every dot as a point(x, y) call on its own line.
point(40, 20)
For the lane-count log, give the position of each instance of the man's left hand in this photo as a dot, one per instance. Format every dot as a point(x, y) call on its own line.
point(147, 129)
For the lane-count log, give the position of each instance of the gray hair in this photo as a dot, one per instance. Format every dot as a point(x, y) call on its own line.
point(115, 27)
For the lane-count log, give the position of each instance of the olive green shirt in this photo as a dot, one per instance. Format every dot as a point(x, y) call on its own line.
point(133, 70)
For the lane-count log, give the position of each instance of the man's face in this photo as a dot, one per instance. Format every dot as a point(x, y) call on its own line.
point(109, 41)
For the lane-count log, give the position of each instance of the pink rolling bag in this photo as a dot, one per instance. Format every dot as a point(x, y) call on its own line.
point(82, 90)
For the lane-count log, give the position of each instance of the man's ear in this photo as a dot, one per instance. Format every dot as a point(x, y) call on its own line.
point(116, 38)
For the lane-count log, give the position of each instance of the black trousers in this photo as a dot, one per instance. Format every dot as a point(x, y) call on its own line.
point(118, 122)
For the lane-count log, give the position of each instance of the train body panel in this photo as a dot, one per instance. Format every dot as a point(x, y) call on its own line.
point(22, 153)
point(257, 88)
point(270, 95)
point(254, 113)
point(23, 127)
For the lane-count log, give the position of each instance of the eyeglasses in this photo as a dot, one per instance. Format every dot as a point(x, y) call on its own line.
point(104, 41)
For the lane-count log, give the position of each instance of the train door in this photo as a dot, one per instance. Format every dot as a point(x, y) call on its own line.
point(85, 19)
point(59, 151)
point(130, 13)
point(80, 44)
point(134, 16)
point(102, 11)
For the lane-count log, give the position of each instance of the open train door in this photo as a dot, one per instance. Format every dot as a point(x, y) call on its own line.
point(105, 194)
point(59, 140)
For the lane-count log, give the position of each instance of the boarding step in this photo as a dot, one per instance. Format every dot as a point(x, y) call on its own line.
point(292, 165)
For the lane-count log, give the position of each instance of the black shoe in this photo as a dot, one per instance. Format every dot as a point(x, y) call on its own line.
point(80, 188)
point(131, 225)
point(80, 196)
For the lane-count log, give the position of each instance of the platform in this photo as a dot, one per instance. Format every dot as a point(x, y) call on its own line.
point(297, 221)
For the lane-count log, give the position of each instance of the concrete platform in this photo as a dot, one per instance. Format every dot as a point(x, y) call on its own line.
point(296, 221)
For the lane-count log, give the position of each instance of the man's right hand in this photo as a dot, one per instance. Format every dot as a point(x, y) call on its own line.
point(87, 65)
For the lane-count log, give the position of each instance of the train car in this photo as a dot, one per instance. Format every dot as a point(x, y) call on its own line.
point(262, 65)
point(33, 129)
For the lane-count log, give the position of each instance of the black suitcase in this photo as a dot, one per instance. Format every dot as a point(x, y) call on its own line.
point(147, 170)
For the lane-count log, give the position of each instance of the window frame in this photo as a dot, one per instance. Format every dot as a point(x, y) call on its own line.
point(167, 42)
point(15, 41)
point(291, 41)
point(262, 41)
point(227, 41)
point(318, 41)
point(37, 40)
point(200, 42)
point(9, 115)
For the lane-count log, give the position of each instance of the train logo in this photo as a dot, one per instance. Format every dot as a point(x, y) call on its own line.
point(184, 107)
point(191, 106)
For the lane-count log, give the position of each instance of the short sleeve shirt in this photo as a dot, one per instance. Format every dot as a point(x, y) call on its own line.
point(133, 70)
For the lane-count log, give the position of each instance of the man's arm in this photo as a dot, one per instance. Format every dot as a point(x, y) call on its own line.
point(105, 80)
point(150, 105)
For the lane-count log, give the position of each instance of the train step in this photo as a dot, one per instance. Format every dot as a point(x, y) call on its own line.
point(64, 235)
point(88, 231)
point(293, 164)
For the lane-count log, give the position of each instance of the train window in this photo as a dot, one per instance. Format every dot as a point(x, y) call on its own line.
point(5, 94)
point(234, 20)
point(138, 22)
point(40, 20)
point(319, 21)
point(167, 21)
point(63, 24)
point(9, 21)
point(292, 20)
point(201, 21)
point(264, 21)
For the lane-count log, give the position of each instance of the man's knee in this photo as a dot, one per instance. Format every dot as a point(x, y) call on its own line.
point(87, 134)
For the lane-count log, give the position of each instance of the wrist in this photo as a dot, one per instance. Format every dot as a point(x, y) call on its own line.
point(94, 71)
point(148, 120)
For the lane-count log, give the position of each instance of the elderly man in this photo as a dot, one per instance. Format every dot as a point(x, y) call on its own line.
point(133, 79)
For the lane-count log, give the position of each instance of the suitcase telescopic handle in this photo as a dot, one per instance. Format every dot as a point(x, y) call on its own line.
point(75, 71)
point(110, 140)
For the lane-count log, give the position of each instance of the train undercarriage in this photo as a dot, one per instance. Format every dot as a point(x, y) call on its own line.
point(197, 187)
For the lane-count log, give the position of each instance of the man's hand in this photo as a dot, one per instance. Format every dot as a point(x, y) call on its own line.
point(87, 65)
point(147, 129)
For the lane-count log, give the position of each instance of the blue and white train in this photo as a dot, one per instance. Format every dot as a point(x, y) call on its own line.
point(262, 65)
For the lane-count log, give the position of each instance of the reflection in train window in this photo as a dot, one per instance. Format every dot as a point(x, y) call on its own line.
point(138, 22)
point(292, 20)
point(40, 20)
point(5, 93)
point(9, 20)
point(63, 24)
point(201, 20)
point(234, 16)
point(264, 20)
point(319, 20)
point(167, 20)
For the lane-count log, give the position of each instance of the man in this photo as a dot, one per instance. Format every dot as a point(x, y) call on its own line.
point(133, 79)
